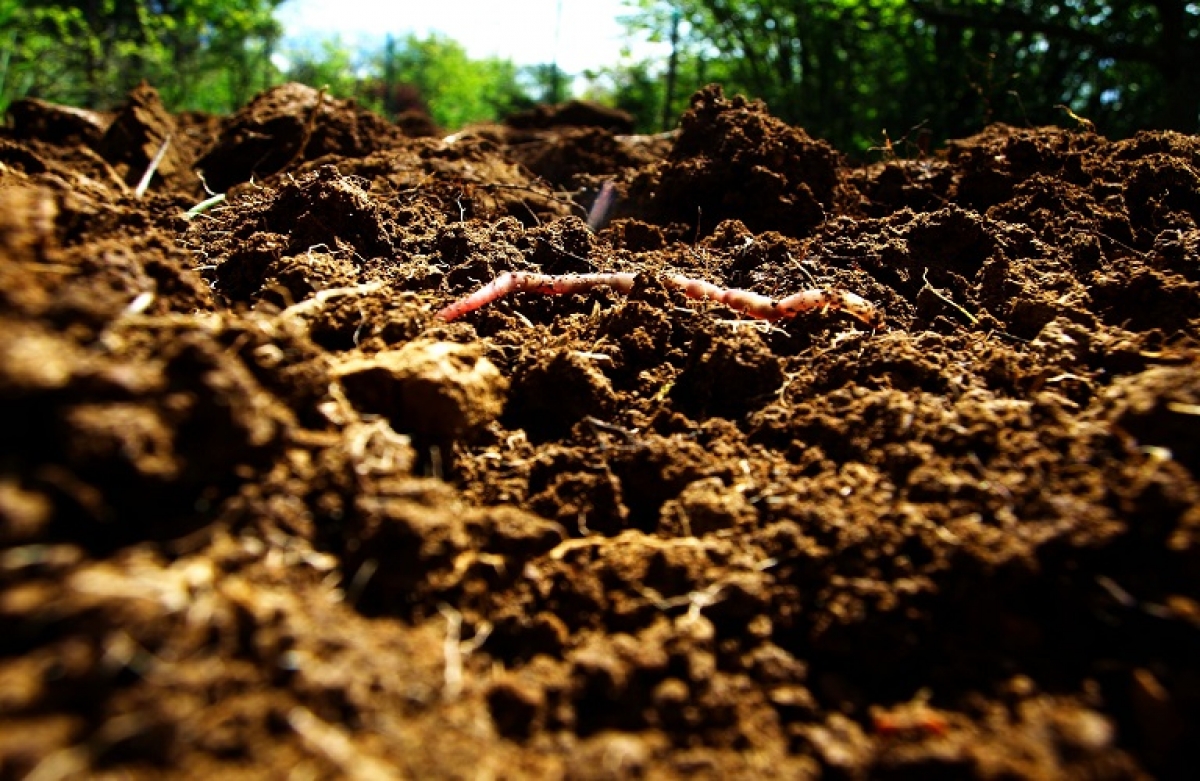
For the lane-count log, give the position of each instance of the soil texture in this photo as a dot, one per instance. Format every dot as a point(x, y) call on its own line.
point(264, 514)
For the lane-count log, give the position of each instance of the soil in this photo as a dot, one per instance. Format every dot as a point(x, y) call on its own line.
point(262, 514)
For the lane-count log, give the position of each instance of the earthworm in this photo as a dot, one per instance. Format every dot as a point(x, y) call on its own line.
point(753, 304)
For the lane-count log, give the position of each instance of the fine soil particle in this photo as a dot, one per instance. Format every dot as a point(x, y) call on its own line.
point(262, 513)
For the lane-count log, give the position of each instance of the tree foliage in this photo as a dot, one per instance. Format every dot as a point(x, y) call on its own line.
point(855, 72)
point(635, 86)
point(847, 70)
point(456, 88)
point(332, 64)
point(204, 54)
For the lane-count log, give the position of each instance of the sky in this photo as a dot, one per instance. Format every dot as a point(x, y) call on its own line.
point(521, 30)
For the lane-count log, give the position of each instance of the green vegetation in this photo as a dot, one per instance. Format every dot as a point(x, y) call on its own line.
point(456, 89)
point(214, 55)
point(846, 70)
point(432, 73)
point(202, 54)
point(856, 72)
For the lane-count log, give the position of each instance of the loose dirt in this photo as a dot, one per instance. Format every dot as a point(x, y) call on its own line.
point(263, 515)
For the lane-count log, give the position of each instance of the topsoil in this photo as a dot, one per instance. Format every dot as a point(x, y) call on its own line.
point(263, 514)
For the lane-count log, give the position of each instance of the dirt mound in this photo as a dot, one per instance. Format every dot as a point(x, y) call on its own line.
point(573, 113)
point(733, 160)
point(263, 512)
point(288, 125)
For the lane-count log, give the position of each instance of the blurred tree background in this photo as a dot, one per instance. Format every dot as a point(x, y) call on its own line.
point(200, 54)
point(854, 72)
point(848, 70)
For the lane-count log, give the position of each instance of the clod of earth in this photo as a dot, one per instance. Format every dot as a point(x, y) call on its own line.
point(442, 391)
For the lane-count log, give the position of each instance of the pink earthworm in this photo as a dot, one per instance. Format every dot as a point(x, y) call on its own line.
point(753, 304)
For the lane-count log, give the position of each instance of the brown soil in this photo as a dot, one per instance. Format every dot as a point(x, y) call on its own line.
point(261, 513)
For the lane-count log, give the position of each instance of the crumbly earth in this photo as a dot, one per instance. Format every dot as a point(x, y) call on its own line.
point(263, 515)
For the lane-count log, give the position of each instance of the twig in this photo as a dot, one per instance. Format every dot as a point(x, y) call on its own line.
point(144, 184)
point(318, 300)
point(455, 649)
point(452, 651)
point(336, 746)
point(140, 303)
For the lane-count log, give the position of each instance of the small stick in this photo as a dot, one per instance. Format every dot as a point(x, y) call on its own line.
point(318, 301)
point(144, 184)
point(753, 304)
